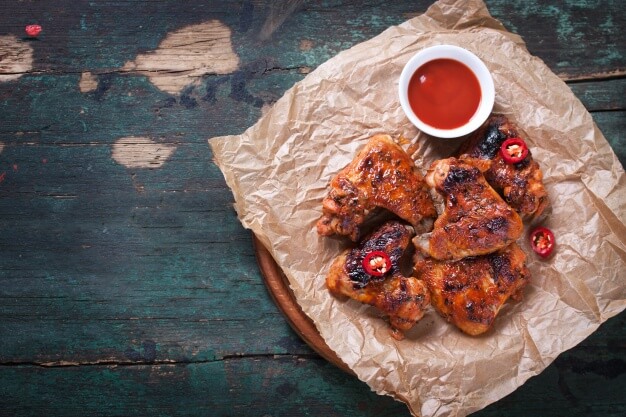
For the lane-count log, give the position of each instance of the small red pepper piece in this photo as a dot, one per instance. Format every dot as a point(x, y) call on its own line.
point(377, 263)
point(33, 30)
point(542, 241)
point(514, 150)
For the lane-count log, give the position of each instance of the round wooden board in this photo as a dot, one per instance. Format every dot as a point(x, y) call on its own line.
point(281, 293)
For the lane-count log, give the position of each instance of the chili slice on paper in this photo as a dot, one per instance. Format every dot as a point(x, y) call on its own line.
point(542, 241)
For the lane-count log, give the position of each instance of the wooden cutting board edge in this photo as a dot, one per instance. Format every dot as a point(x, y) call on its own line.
point(278, 287)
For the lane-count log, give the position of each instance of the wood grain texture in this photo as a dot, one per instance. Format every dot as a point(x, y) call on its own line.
point(130, 289)
point(293, 386)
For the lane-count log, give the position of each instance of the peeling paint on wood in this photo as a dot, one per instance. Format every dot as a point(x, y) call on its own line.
point(16, 58)
point(88, 82)
point(141, 152)
point(185, 55)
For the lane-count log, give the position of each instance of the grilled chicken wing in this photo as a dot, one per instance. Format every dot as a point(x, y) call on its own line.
point(521, 184)
point(402, 299)
point(475, 220)
point(470, 292)
point(382, 175)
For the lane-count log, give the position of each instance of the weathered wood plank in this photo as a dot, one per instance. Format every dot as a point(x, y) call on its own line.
point(578, 40)
point(155, 237)
point(613, 127)
point(601, 95)
point(60, 116)
point(283, 385)
point(569, 35)
point(158, 250)
point(234, 387)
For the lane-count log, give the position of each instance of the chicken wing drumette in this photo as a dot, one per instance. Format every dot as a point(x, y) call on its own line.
point(381, 176)
point(470, 292)
point(520, 184)
point(402, 299)
point(475, 220)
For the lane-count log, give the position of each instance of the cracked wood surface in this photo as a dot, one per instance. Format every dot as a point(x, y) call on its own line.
point(127, 284)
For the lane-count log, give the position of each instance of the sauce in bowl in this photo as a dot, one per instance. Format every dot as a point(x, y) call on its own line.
point(444, 93)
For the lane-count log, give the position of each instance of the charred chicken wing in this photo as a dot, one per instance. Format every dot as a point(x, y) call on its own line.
point(521, 183)
point(475, 220)
point(381, 176)
point(470, 292)
point(370, 273)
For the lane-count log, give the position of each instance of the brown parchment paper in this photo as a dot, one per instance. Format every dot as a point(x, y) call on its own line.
point(280, 167)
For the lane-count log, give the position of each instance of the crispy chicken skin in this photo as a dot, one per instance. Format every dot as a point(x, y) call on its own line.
point(521, 184)
point(382, 175)
point(475, 220)
point(470, 292)
point(400, 298)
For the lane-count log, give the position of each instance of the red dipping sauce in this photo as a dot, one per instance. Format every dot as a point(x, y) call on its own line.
point(444, 93)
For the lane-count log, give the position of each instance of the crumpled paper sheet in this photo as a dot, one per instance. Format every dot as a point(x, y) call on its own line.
point(280, 167)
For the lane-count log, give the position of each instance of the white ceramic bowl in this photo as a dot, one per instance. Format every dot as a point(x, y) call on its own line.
point(473, 63)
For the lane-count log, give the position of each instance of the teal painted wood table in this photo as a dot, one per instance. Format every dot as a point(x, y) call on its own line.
point(127, 284)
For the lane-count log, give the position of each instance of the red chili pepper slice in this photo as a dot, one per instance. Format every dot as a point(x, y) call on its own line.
point(377, 263)
point(33, 30)
point(542, 241)
point(514, 150)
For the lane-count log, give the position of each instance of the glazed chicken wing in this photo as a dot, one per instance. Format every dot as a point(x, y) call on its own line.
point(470, 292)
point(382, 175)
point(400, 298)
point(475, 220)
point(520, 184)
